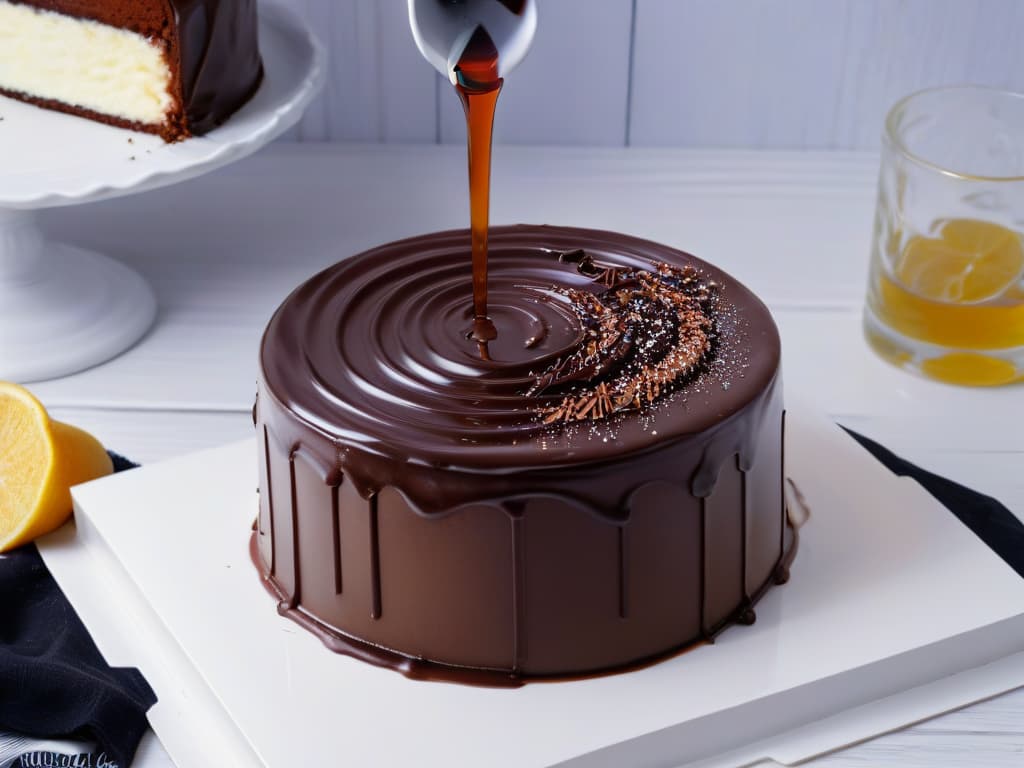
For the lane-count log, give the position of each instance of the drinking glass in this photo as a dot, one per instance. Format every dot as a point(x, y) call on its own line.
point(946, 285)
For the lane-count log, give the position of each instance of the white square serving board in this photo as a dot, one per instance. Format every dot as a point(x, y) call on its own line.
point(895, 612)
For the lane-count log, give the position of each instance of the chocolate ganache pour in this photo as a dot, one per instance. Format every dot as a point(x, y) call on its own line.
point(478, 86)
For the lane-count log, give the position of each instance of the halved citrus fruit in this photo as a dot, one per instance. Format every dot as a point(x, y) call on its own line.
point(971, 261)
point(40, 460)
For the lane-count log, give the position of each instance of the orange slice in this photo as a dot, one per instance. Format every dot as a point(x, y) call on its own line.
point(971, 261)
point(40, 460)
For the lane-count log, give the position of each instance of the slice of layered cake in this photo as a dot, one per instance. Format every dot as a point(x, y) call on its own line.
point(175, 68)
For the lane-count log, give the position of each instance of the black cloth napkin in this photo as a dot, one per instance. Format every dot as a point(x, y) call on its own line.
point(990, 521)
point(54, 683)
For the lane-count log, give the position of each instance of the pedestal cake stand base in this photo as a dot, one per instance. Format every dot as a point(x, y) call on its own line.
point(62, 308)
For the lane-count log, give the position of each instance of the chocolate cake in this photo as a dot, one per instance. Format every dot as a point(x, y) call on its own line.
point(597, 487)
point(175, 68)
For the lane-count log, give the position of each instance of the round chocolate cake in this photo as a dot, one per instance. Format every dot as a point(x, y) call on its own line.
point(597, 487)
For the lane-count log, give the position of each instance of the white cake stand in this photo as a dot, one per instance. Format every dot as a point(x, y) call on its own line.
point(62, 308)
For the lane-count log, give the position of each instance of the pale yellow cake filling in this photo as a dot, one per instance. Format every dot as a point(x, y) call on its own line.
point(83, 63)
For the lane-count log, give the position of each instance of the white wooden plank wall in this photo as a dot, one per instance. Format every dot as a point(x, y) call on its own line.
point(794, 74)
point(370, 45)
point(576, 93)
point(807, 73)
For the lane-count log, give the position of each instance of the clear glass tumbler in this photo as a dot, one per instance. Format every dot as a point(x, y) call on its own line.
point(946, 286)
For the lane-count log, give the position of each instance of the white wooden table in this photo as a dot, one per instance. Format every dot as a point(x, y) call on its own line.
point(223, 251)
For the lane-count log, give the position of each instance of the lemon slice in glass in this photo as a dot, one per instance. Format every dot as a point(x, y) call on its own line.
point(971, 261)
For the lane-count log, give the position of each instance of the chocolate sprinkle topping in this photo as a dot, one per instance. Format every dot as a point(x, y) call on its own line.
point(646, 333)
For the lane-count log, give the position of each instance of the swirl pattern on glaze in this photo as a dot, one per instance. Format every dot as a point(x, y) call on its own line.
point(377, 352)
